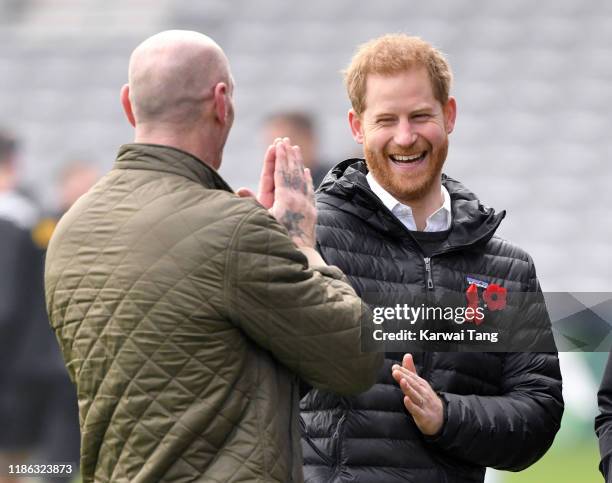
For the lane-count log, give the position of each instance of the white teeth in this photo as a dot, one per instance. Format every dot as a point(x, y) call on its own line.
point(397, 157)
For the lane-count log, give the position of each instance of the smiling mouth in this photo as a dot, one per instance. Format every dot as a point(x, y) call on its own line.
point(405, 159)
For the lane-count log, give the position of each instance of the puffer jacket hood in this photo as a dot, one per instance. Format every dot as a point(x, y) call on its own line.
point(346, 188)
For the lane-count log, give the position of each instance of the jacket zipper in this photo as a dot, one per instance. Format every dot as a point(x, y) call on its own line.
point(308, 440)
point(430, 284)
point(430, 287)
point(336, 436)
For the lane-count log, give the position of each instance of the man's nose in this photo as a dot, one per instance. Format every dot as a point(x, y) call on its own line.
point(405, 134)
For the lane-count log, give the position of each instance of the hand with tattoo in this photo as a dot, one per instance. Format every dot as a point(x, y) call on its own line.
point(286, 189)
point(294, 205)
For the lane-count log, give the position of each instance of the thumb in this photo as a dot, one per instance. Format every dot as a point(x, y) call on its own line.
point(245, 193)
point(408, 363)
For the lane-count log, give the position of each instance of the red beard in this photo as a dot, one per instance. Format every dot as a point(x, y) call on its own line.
point(408, 187)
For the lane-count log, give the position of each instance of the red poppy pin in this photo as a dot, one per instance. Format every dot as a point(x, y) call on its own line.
point(495, 297)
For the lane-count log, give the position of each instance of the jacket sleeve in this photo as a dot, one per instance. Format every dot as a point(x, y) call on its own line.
point(309, 318)
point(512, 430)
point(603, 422)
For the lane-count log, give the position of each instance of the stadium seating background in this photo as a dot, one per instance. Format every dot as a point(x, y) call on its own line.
point(533, 82)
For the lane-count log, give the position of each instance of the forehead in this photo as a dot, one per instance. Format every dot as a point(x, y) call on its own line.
point(409, 89)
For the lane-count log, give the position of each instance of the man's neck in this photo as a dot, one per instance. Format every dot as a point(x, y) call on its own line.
point(191, 142)
point(426, 206)
point(421, 208)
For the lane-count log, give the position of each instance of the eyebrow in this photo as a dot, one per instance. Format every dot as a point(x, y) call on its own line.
point(422, 109)
point(419, 110)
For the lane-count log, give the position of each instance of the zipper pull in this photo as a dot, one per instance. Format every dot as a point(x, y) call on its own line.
point(430, 284)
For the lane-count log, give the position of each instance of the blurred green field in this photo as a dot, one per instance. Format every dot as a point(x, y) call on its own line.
point(574, 456)
point(562, 464)
point(578, 464)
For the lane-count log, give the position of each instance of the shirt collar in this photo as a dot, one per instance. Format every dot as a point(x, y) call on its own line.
point(439, 220)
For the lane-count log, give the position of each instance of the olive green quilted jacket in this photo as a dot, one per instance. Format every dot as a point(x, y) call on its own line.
point(185, 316)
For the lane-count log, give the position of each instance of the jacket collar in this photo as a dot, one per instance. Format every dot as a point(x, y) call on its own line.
point(156, 157)
point(346, 188)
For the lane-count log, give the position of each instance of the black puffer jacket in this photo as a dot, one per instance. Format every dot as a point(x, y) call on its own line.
point(603, 422)
point(501, 409)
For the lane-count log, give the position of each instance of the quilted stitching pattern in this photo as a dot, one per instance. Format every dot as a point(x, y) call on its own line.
point(161, 293)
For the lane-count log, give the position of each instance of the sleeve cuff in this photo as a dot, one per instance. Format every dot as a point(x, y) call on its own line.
point(434, 438)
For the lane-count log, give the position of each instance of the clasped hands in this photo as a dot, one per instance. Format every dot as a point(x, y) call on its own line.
point(420, 399)
point(286, 190)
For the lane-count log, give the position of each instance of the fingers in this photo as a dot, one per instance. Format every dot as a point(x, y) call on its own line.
point(406, 373)
point(289, 170)
point(294, 158)
point(401, 374)
point(408, 363)
point(269, 158)
point(396, 373)
point(305, 181)
point(413, 399)
point(245, 193)
point(281, 166)
point(297, 158)
point(266, 181)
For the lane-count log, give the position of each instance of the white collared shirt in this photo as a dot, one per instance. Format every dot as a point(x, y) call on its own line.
point(439, 220)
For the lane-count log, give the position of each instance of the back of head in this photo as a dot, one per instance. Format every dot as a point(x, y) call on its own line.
point(172, 73)
point(8, 152)
point(392, 54)
point(8, 146)
point(297, 120)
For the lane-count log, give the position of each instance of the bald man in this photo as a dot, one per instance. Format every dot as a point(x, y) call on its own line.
point(187, 314)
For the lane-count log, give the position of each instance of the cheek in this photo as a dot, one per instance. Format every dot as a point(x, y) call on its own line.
point(434, 133)
point(377, 138)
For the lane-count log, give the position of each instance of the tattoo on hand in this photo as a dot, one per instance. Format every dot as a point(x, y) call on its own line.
point(294, 181)
point(291, 220)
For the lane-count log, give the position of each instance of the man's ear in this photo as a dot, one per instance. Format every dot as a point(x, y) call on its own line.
point(356, 126)
point(127, 105)
point(450, 114)
point(221, 104)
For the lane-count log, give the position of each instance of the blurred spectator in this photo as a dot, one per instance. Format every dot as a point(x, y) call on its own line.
point(75, 179)
point(17, 273)
point(38, 410)
point(300, 128)
point(14, 204)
